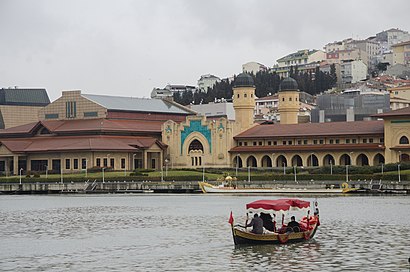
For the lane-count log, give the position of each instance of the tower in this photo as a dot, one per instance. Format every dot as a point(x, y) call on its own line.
point(243, 101)
point(288, 101)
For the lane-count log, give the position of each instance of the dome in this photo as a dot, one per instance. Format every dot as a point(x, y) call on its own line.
point(288, 84)
point(244, 80)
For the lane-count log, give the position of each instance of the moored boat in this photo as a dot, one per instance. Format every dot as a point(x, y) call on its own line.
point(209, 188)
point(306, 229)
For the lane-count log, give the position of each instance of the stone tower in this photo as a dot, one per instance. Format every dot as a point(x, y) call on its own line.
point(288, 101)
point(243, 102)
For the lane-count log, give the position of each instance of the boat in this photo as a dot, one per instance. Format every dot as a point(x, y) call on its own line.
point(229, 189)
point(308, 224)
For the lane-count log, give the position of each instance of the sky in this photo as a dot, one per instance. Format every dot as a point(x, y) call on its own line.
point(129, 47)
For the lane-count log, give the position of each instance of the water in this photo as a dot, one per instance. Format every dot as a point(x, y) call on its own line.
point(191, 233)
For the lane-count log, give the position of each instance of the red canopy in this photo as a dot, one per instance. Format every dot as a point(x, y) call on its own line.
point(277, 205)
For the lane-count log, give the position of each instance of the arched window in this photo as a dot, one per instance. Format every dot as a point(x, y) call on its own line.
point(404, 140)
point(238, 95)
point(195, 145)
point(245, 95)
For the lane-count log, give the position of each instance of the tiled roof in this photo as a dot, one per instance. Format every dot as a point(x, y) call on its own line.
point(77, 143)
point(84, 125)
point(313, 129)
point(136, 104)
point(24, 97)
point(395, 113)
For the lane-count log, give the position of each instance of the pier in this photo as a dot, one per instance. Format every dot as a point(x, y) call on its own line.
point(96, 186)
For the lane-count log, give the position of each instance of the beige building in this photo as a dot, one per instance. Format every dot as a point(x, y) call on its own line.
point(401, 53)
point(21, 106)
point(253, 67)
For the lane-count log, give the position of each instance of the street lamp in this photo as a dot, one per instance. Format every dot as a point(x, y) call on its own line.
point(273, 155)
point(347, 173)
point(331, 167)
point(166, 167)
point(294, 171)
point(237, 163)
point(61, 173)
point(21, 169)
point(398, 166)
point(108, 160)
point(46, 171)
point(284, 169)
point(103, 174)
point(249, 173)
point(133, 161)
point(86, 166)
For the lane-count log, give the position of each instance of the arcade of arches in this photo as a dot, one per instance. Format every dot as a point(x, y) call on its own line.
point(281, 160)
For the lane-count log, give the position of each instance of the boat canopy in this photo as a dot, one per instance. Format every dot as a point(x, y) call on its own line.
point(283, 204)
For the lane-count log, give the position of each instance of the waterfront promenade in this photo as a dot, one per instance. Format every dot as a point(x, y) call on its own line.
point(121, 186)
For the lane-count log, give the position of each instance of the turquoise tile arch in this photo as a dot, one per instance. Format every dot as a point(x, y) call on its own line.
point(196, 126)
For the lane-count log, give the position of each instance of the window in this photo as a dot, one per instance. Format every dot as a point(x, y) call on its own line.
point(347, 141)
point(305, 142)
point(75, 163)
point(365, 141)
point(245, 143)
point(112, 163)
point(245, 95)
point(337, 141)
point(105, 160)
point(381, 140)
point(238, 95)
point(71, 109)
point(240, 143)
point(299, 142)
point(289, 142)
point(283, 99)
point(83, 163)
point(98, 162)
point(284, 142)
point(254, 143)
point(51, 116)
point(331, 141)
point(404, 140)
point(67, 164)
point(153, 163)
point(290, 98)
point(371, 140)
point(90, 114)
point(260, 143)
point(321, 141)
point(353, 141)
point(269, 143)
point(275, 143)
point(314, 141)
point(122, 163)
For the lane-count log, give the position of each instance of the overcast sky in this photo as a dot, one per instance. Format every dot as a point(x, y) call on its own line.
point(127, 48)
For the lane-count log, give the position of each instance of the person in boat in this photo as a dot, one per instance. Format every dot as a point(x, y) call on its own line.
point(293, 226)
point(267, 221)
point(256, 224)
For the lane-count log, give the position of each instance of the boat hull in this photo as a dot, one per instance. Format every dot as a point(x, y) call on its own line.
point(246, 238)
point(208, 188)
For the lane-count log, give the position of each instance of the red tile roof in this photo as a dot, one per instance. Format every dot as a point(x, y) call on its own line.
point(77, 143)
point(313, 129)
point(92, 125)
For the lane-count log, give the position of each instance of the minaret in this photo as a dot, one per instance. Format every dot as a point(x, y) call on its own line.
point(244, 101)
point(288, 101)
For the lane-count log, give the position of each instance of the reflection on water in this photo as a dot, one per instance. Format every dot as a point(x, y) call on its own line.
point(191, 233)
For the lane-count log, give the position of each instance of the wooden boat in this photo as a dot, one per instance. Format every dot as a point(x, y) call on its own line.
point(209, 188)
point(308, 224)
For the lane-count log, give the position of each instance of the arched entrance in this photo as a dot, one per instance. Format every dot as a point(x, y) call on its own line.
point(196, 151)
point(312, 160)
point(237, 162)
point(345, 160)
point(297, 161)
point(362, 160)
point(251, 162)
point(281, 161)
point(266, 161)
point(328, 160)
point(378, 159)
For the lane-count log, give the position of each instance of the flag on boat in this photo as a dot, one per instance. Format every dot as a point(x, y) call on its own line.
point(230, 219)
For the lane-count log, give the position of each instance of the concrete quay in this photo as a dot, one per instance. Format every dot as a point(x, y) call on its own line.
point(95, 187)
